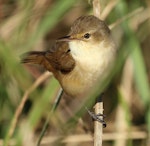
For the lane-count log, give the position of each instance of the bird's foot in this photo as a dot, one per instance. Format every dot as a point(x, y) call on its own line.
point(97, 117)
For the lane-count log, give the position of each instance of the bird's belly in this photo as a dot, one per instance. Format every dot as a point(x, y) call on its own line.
point(80, 82)
point(76, 85)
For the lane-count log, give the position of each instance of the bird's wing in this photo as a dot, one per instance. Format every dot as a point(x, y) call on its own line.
point(58, 59)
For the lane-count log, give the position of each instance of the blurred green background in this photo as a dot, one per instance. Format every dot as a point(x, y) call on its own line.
point(34, 25)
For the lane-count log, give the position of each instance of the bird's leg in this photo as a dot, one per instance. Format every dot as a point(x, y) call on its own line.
point(97, 117)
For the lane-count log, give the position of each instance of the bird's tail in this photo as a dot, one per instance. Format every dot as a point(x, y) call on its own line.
point(33, 57)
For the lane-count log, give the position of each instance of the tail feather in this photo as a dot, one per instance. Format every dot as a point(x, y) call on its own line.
point(36, 57)
point(33, 57)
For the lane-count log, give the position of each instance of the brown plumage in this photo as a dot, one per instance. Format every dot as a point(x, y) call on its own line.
point(56, 60)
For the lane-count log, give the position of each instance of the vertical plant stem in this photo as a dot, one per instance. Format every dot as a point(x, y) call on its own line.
point(96, 8)
point(98, 127)
point(57, 100)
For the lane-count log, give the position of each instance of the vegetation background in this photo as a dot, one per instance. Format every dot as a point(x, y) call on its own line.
point(34, 25)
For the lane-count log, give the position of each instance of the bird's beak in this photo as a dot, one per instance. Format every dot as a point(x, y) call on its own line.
point(66, 39)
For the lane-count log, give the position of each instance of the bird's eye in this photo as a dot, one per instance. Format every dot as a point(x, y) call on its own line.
point(87, 36)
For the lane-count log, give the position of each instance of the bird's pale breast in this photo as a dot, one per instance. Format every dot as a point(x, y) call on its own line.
point(92, 65)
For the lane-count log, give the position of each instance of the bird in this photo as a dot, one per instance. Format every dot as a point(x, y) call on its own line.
point(82, 58)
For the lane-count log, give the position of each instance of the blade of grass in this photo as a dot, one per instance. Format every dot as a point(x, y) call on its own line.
point(132, 44)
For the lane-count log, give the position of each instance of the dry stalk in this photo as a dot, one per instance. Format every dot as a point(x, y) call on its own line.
point(96, 8)
point(108, 9)
point(39, 80)
point(98, 127)
point(135, 12)
point(78, 138)
point(125, 89)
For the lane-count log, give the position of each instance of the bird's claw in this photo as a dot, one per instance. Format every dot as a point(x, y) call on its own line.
point(97, 117)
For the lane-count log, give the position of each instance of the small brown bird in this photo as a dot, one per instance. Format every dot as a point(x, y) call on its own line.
point(82, 58)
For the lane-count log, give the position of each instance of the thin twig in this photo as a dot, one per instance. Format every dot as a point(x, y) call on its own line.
point(80, 138)
point(138, 10)
point(108, 8)
point(98, 127)
point(13, 124)
point(57, 100)
point(96, 8)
